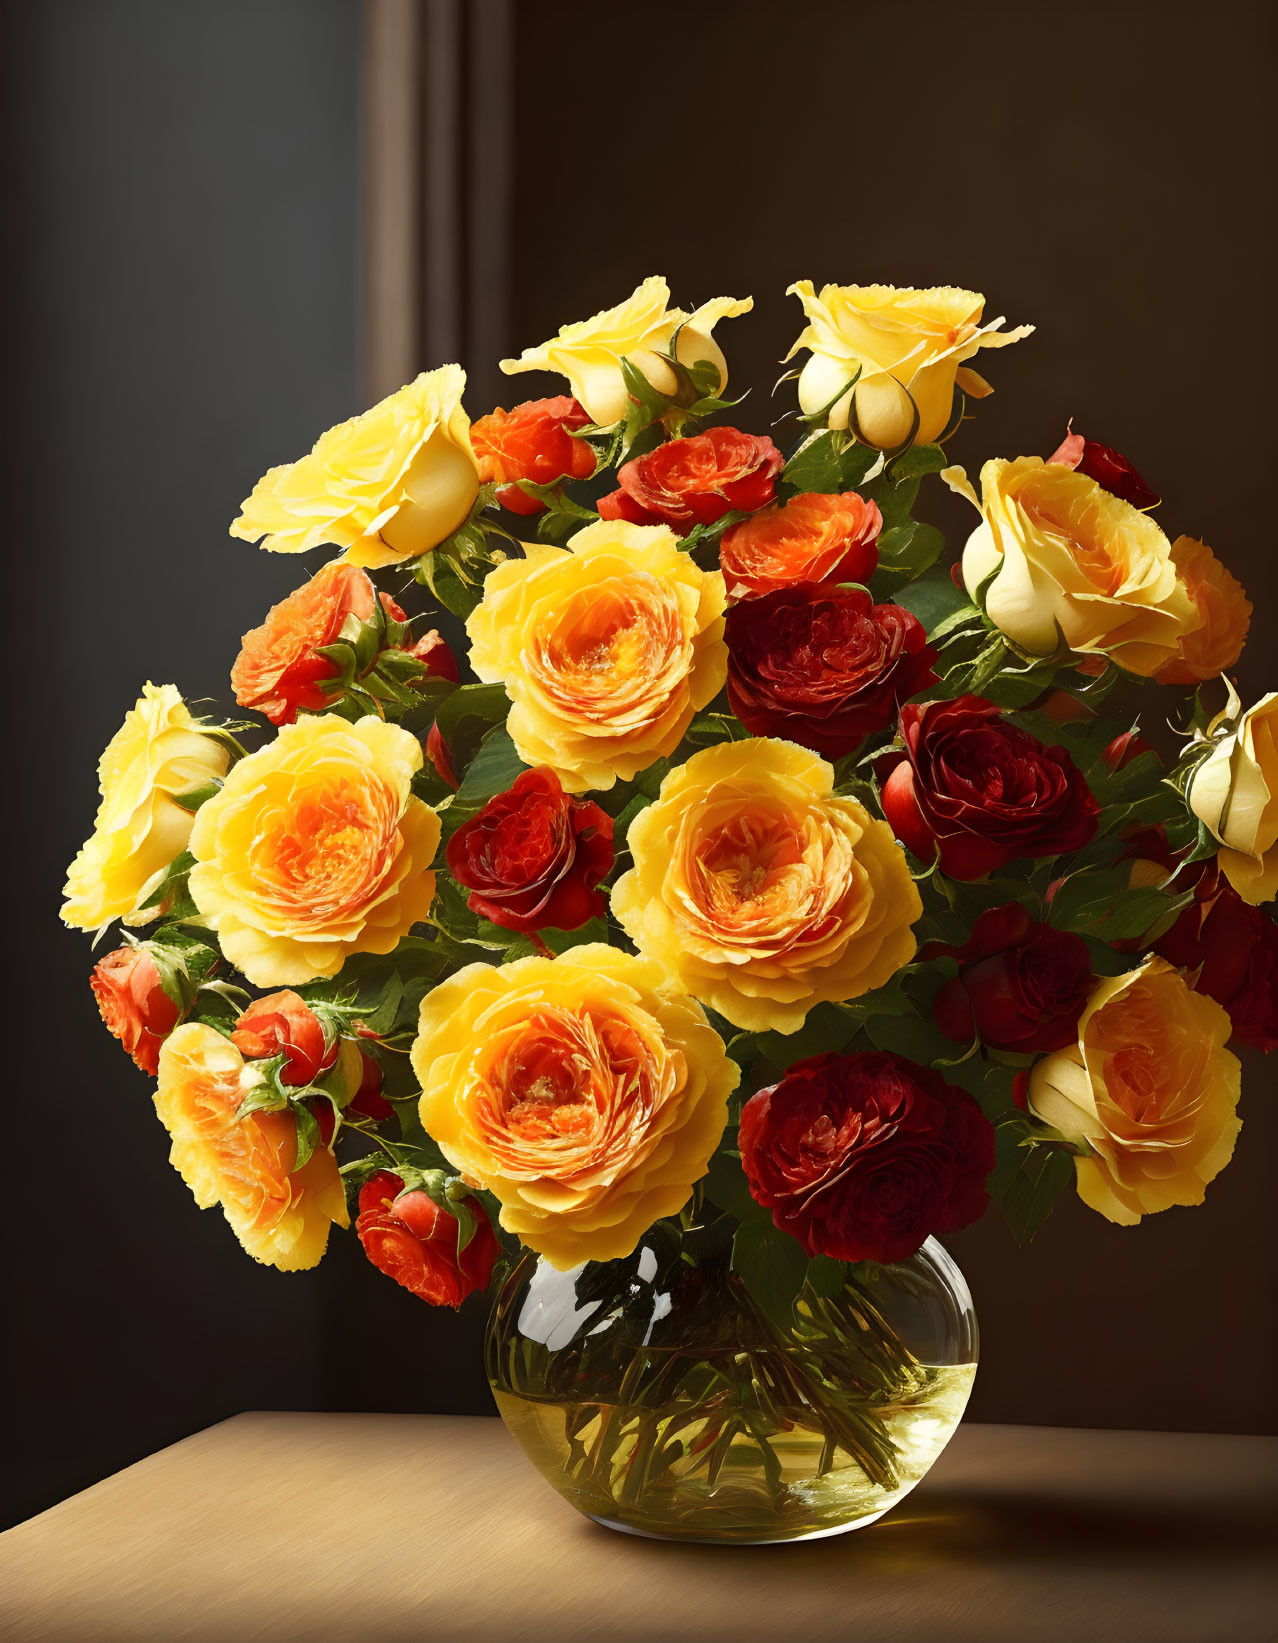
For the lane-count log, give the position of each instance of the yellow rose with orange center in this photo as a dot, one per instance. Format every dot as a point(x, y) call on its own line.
point(1224, 612)
point(763, 891)
point(607, 647)
point(1234, 793)
point(586, 1092)
point(1151, 1089)
point(280, 1215)
point(641, 330)
point(1058, 557)
point(158, 755)
point(898, 353)
point(315, 849)
point(387, 485)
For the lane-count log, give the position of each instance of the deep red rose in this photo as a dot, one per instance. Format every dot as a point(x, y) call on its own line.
point(412, 1240)
point(983, 791)
point(368, 1101)
point(823, 666)
point(1109, 468)
point(863, 1157)
point(133, 1004)
point(1233, 948)
point(532, 442)
point(533, 855)
point(1021, 985)
point(690, 482)
point(284, 1024)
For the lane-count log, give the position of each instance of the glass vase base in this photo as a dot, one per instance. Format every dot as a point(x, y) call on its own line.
point(744, 1539)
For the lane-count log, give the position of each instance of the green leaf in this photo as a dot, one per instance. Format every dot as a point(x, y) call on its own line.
point(772, 1265)
point(907, 550)
point(917, 461)
point(494, 769)
point(726, 1185)
point(466, 716)
point(165, 894)
point(828, 1029)
point(938, 604)
point(1028, 1178)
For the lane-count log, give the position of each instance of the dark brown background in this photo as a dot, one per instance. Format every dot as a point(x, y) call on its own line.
point(187, 310)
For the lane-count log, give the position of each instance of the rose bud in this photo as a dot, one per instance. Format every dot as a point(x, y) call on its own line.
point(133, 1004)
point(864, 1157)
point(813, 538)
point(278, 671)
point(691, 482)
point(438, 754)
point(533, 855)
point(1229, 951)
point(411, 1239)
point(433, 651)
point(368, 1100)
point(824, 667)
point(1108, 467)
point(284, 1024)
point(1021, 985)
point(982, 791)
point(1123, 749)
point(532, 442)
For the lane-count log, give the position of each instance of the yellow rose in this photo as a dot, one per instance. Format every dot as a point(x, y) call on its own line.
point(158, 754)
point(589, 353)
point(1150, 1087)
point(1059, 557)
point(1224, 611)
point(762, 891)
point(279, 1215)
point(586, 1092)
point(606, 647)
point(387, 485)
point(1234, 793)
point(315, 849)
point(908, 346)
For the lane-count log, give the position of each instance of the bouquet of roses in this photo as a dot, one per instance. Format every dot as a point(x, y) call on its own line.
point(763, 867)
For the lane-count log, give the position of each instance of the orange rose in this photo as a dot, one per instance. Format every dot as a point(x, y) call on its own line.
point(532, 442)
point(284, 1024)
point(813, 538)
point(277, 670)
point(1225, 610)
point(316, 848)
point(280, 1215)
point(133, 1003)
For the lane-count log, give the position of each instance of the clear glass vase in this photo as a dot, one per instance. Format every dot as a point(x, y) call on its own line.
point(657, 1396)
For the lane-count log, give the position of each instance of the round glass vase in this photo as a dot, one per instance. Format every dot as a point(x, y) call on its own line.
point(659, 1398)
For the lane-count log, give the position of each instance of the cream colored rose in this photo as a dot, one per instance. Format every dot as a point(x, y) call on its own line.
point(158, 754)
point(1056, 556)
point(764, 892)
point(387, 485)
point(1151, 1089)
point(316, 848)
point(586, 1092)
point(589, 353)
point(607, 648)
point(905, 349)
point(1234, 793)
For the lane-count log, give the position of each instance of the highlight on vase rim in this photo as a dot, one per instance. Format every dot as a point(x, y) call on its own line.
point(760, 872)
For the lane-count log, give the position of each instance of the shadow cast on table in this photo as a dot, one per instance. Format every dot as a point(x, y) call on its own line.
point(946, 1529)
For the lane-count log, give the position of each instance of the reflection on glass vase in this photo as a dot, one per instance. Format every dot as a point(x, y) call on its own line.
point(657, 1396)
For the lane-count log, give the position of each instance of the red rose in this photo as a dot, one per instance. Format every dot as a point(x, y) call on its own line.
point(824, 667)
point(983, 791)
point(284, 1024)
point(690, 482)
point(1108, 467)
point(411, 1239)
point(439, 756)
point(133, 1004)
point(1021, 985)
point(1230, 950)
point(815, 537)
point(532, 442)
point(863, 1157)
point(533, 855)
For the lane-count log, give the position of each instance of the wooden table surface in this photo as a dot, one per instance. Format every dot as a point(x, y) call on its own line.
point(381, 1528)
